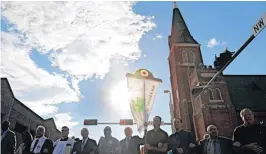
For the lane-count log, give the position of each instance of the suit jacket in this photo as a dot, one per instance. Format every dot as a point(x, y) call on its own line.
point(182, 140)
point(133, 145)
point(90, 146)
point(8, 144)
point(47, 146)
point(226, 145)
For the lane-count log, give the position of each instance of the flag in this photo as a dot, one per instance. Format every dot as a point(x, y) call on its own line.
point(142, 87)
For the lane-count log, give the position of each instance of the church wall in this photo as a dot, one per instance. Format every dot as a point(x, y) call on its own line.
point(21, 117)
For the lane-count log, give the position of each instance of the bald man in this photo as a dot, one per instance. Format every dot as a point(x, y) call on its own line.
point(108, 144)
point(86, 145)
point(215, 144)
point(131, 144)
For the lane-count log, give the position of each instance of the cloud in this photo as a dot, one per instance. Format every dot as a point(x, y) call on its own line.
point(213, 42)
point(63, 119)
point(81, 35)
point(158, 36)
point(34, 86)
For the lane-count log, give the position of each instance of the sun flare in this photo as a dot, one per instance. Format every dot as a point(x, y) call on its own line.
point(120, 97)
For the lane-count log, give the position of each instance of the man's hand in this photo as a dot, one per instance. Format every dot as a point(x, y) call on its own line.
point(192, 145)
point(180, 150)
point(254, 147)
point(148, 147)
point(237, 144)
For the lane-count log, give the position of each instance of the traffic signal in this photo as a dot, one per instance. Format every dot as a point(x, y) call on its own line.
point(90, 122)
point(126, 122)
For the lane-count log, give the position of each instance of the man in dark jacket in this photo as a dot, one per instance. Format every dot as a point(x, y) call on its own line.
point(131, 144)
point(8, 139)
point(250, 138)
point(86, 145)
point(41, 144)
point(181, 141)
point(215, 144)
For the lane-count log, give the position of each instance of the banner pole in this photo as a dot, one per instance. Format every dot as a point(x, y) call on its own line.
point(144, 112)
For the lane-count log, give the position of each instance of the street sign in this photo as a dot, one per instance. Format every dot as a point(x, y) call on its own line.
point(90, 122)
point(258, 27)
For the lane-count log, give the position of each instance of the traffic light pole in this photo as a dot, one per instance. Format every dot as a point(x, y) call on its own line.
point(227, 63)
point(117, 123)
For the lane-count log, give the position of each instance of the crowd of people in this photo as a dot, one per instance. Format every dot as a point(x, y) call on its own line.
point(248, 138)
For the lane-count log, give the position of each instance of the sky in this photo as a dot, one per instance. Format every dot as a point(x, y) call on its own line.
point(68, 60)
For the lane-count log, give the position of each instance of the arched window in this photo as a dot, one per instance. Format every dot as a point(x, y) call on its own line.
point(191, 57)
point(185, 57)
point(210, 94)
point(218, 94)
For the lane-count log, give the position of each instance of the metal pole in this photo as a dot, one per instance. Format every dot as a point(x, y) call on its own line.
point(117, 123)
point(145, 127)
point(171, 111)
point(228, 62)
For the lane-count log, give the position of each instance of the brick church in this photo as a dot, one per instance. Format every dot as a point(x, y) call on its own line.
point(221, 103)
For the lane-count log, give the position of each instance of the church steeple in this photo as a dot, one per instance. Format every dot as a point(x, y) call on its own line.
point(175, 6)
point(180, 32)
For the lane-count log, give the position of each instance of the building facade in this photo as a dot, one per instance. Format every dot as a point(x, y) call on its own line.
point(220, 104)
point(21, 117)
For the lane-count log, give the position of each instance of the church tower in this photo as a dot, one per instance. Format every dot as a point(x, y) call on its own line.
point(186, 72)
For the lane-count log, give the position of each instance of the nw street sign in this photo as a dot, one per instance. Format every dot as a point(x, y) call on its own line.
point(258, 27)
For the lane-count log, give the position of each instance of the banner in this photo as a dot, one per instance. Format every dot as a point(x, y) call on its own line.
point(142, 87)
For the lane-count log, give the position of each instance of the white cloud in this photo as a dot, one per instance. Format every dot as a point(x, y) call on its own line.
point(213, 42)
point(158, 36)
point(34, 86)
point(64, 119)
point(83, 35)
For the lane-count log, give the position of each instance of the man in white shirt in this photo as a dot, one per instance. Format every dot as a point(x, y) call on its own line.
point(86, 145)
point(65, 144)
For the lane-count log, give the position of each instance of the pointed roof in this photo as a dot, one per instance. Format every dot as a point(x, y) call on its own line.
point(175, 6)
point(180, 31)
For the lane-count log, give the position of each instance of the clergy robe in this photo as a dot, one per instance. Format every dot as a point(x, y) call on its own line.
point(63, 146)
point(42, 145)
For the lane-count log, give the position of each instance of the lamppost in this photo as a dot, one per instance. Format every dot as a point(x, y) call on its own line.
point(171, 106)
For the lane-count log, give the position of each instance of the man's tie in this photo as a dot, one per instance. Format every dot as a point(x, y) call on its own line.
point(82, 144)
point(127, 142)
point(35, 145)
point(212, 145)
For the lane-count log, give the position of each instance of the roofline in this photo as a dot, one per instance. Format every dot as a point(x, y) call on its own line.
point(19, 100)
point(8, 86)
point(53, 122)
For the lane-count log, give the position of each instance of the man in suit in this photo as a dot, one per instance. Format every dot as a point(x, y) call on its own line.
point(182, 141)
point(8, 139)
point(86, 145)
point(41, 144)
point(215, 144)
point(131, 144)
